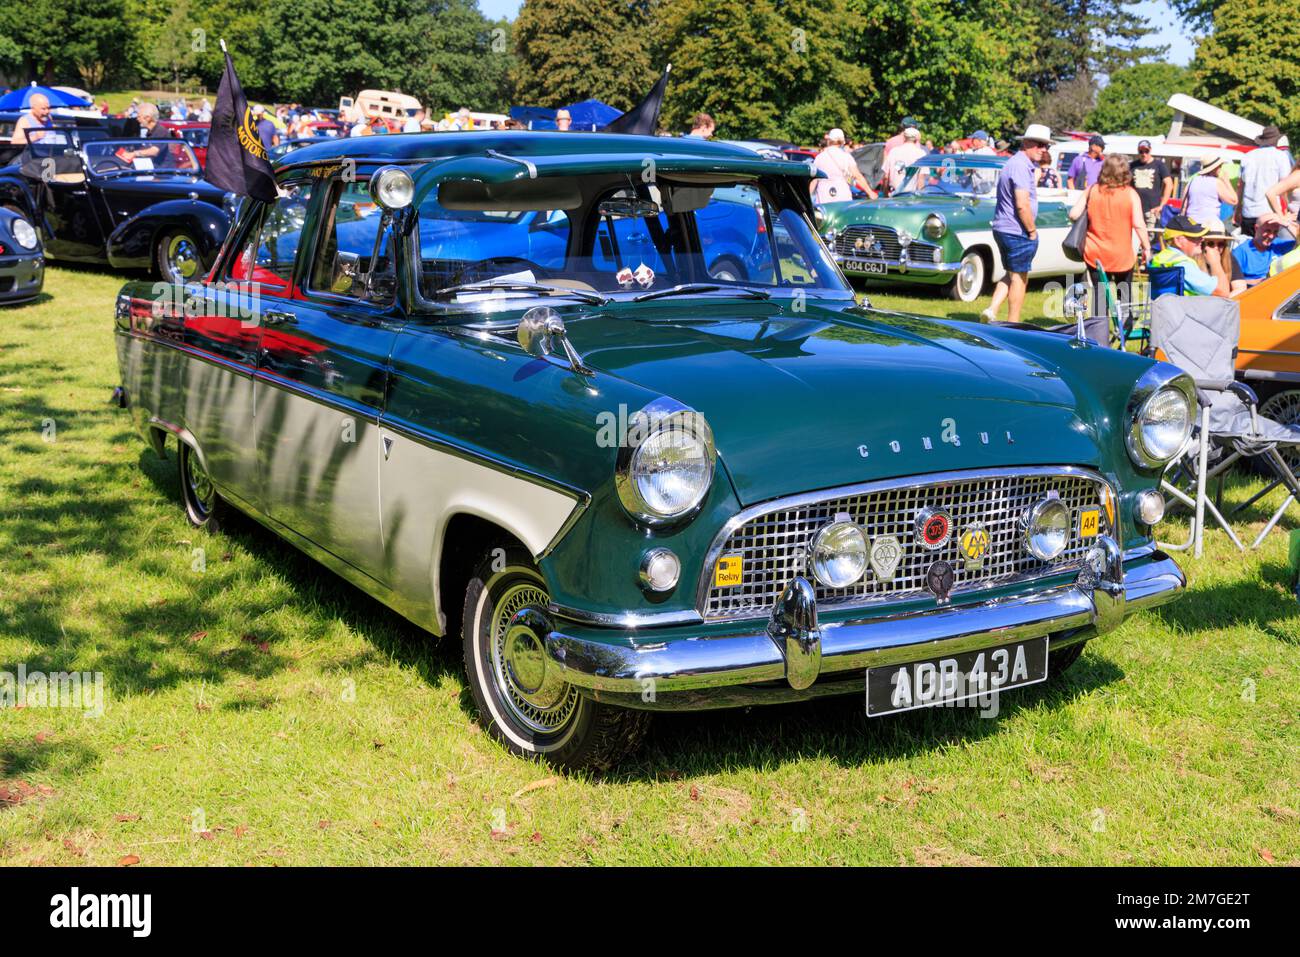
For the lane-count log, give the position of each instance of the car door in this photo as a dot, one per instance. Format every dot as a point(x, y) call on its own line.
point(66, 196)
point(223, 335)
point(322, 376)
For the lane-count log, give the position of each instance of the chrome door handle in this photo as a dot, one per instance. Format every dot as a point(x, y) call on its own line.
point(271, 317)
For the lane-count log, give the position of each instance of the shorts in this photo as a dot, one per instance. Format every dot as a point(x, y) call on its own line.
point(1017, 251)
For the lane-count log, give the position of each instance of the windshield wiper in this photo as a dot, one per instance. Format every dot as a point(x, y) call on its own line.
point(513, 286)
point(689, 288)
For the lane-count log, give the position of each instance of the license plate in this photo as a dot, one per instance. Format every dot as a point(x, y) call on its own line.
point(943, 681)
point(866, 265)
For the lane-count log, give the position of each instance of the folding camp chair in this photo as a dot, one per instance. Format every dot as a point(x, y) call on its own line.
point(1199, 334)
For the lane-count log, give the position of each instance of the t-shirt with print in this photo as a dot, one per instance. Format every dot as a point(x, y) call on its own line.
point(1149, 181)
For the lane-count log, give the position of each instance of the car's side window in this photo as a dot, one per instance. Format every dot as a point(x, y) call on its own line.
point(1290, 310)
point(270, 246)
point(354, 257)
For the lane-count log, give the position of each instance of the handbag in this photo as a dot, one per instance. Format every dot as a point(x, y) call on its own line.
point(1074, 240)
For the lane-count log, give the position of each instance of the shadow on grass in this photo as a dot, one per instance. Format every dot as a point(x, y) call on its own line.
point(1237, 603)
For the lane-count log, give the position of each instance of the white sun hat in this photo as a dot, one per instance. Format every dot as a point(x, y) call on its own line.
point(1037, 131)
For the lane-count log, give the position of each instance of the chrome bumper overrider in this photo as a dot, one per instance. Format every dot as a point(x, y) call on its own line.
point(794, 651)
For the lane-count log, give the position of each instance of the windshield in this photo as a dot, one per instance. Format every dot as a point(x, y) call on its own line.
point(111, 157)
point(625, 237)
point(949, 177)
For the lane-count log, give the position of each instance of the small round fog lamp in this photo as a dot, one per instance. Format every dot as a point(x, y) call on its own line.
point(1149, 507)
point(660, 570)
point(838, 554)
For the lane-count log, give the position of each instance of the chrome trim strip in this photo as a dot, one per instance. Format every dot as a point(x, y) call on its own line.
point(1267, 352)
point(689, 664)
point(867, 488)
point(627, 620)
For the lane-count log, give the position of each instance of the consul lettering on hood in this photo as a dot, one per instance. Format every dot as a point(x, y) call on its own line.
point(947, 434)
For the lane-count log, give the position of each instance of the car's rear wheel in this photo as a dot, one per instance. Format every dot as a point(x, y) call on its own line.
point(203, 506)
point(178, 257)
point(522, 701)
point(968, 284)
point(727, 269)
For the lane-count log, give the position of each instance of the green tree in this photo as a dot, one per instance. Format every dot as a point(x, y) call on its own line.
point(467, 61)
point(1134, 99)
point(1069, 105)
point(1246, 64)
point(172, 51)
point(753, 65)
point(1096, 37)
point(1198, 14)
point(66, 40)
point(570, 50)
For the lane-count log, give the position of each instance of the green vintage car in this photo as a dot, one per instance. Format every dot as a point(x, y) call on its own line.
point(499, 382)
point(935, 228)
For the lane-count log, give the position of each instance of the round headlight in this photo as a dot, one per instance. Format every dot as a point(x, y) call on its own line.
point(1160, 427)
point(24, 233)
point(665, 466)
point(1047, 529)
point(838, 554)
point(935, 226)
point(392, 187)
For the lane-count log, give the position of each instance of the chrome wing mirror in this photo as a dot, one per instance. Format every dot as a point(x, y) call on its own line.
point(540, 329)
point(1076, 304)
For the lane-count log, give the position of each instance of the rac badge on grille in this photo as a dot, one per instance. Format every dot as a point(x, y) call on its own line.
point(974, 544)
point(886, 553)
point(938, 578)
point(933, 528)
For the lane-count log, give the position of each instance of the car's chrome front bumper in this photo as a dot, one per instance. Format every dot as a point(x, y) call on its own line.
point(900, 267)
point(794, 657)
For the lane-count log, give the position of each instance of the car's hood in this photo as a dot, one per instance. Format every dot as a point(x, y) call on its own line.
point(908, 212)
point(817, 399)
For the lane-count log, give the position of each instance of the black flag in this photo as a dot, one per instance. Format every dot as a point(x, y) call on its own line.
point(237, 160)
point(643, 119)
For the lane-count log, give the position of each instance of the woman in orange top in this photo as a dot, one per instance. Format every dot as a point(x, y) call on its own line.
point(1114, 220)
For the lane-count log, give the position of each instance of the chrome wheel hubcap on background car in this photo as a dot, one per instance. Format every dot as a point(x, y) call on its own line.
point(970, 278)
point(532, 690)
point(182, 257)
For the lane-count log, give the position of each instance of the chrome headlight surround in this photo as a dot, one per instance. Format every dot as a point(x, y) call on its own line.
point(24, 233)
point(392, 187)
point(669, 429)
point(1159, 385)
point(935, 226)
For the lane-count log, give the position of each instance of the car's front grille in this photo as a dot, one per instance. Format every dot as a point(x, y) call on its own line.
point(772, 543)
point(881, 242)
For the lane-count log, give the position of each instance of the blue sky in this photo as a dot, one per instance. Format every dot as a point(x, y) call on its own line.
point(1158, 12)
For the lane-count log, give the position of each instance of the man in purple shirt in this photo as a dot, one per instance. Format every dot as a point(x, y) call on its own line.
point(1087, 166)
point(1014, 225)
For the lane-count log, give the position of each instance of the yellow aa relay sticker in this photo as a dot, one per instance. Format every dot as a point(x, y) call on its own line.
point(1090, 523)
point(727, 574)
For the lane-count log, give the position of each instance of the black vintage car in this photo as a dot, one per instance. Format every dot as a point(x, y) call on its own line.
point(95, 198)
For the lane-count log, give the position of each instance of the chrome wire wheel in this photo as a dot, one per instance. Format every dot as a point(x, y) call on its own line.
point(529, 688)
point(197, 491)
point(181, 260)
point(1284, 408)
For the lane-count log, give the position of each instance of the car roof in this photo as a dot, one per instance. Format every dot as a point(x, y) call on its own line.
point(965, 159)
point(432, 146)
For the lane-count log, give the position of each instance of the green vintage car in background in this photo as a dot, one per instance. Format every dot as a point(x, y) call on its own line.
point(935, 229)
point(500, 382)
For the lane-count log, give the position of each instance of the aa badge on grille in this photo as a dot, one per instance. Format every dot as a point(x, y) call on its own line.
point(974, 545)
point(886, 553)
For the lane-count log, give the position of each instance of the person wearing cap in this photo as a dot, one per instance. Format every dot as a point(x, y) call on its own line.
point(1184, 239)
point(1255, 260)
point(841, 169)
point(1087, 166)
point(902, 157)
point(1153, 182)
point(894, 141)
point(563, 121)
point(1014, 223)
point(1261, 169)
point(979, 144)
point(1206, 191)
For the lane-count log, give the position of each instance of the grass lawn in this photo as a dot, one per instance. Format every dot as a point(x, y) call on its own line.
point(259, 710)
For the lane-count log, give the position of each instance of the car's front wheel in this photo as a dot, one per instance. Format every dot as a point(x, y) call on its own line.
point(522, 701)
point(968, 284)
point(178, 257)
point(203, 506)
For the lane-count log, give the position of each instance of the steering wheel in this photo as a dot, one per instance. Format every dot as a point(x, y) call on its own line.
point(107, 164)
point(477, 271)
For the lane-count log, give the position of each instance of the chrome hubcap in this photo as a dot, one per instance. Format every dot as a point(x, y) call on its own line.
point(969, 278)
point(533, 691)
point(182, 257)
point(201, 490)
